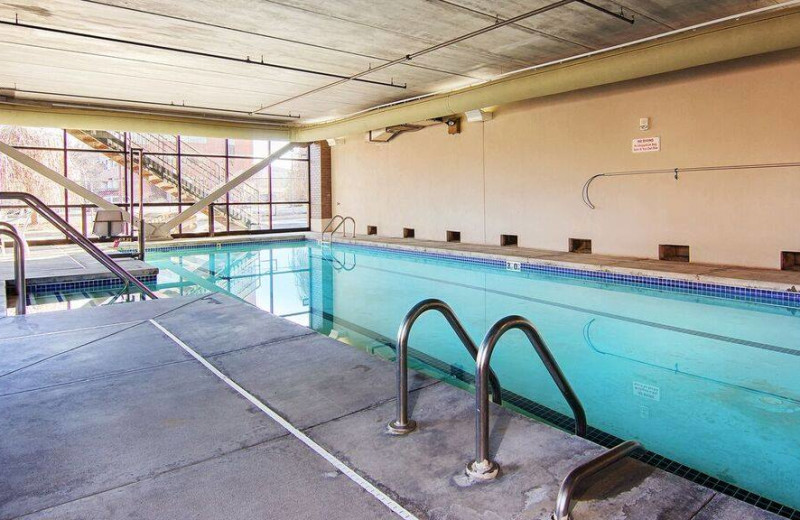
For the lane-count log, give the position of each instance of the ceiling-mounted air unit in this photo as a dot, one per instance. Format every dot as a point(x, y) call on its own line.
point(478, 116)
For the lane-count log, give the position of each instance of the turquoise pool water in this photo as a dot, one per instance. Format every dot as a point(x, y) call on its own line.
point(707, 382)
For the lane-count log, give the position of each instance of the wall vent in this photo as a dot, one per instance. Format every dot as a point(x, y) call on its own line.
point(580, 245)
point(454, 236)
point(673, 253)
point(372, 230)
point(790, 260)
point(408, 232)
point(508, 240)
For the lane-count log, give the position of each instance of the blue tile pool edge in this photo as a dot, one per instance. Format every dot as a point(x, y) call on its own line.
point(749, 294)
point(729, 292)
point(42, 289)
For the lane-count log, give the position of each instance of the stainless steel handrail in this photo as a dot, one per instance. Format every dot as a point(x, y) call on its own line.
point(402, 425)
point(10, 231)
point(483, 468)
point(329, 224)
point(60, 224)
point(342, 222)
point(586, 470)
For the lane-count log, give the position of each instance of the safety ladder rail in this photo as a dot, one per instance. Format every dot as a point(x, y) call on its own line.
point(402, 425)
point(10, 231)
point(338, 265)
point(586, 470)
point(59, 223)
point(483, 468)
point(342, 222)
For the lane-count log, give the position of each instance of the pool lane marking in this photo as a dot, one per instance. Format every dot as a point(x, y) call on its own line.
point(302, 437)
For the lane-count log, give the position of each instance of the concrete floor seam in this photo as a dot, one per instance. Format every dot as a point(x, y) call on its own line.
point(305, 439)
point(157, 475)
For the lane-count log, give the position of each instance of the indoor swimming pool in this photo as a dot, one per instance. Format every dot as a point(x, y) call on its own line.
point(707, 383)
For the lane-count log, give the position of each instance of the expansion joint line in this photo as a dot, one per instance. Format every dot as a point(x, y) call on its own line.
point(302, 437)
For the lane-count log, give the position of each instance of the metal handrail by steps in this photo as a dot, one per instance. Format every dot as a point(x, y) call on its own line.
point(342, 222)
point(402, 425)
point(10, 231)
point(586, 470)
point(483, 467)
point(53, 218)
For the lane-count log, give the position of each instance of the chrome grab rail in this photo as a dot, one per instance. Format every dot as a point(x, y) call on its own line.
point(330, 223)
point(53, 218)
point(585, 470)
point(483, 468)
point(402, 425)
point(342, 222)
point(10, 231)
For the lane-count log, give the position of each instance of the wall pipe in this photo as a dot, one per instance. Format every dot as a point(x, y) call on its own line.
point(676, 173)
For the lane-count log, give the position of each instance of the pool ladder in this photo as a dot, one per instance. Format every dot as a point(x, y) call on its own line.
point(483, 468)
point(334, 224)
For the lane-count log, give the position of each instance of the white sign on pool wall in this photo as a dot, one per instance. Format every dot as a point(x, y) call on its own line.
point(646, 144)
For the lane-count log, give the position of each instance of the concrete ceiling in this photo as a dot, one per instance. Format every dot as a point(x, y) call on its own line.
point(340, 38)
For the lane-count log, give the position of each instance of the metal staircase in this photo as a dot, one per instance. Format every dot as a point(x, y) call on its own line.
point(199, 175)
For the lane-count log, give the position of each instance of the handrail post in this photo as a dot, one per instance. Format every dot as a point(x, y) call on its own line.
point(483, 468)
point(586, 470)
point(19, 266)
point(402, 425)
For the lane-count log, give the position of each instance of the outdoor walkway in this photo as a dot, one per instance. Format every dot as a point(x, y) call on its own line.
point(109, 413)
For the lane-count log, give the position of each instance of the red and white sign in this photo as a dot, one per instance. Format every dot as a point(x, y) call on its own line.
point(646, 144)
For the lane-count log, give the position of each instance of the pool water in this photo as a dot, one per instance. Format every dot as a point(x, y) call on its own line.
point(707, 382)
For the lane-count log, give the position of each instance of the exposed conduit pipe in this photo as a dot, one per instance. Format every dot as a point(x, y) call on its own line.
point(319, 129)
point(427, 50)
point(676, 171)
point(14, 91)
point(153, 113)
point(247, 60)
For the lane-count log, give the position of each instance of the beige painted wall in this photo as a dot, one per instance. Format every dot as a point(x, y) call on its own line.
point(522, 172)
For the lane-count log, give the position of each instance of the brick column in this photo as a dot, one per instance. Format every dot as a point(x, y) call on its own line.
point(320, 165)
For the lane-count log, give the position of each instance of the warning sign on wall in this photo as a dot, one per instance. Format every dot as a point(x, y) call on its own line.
point(646, 144)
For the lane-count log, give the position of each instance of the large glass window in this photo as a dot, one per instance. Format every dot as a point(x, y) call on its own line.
point(175, 172)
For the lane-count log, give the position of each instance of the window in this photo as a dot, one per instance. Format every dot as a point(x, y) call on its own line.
point(176, 172)
point(408, 232)
point(454, 236)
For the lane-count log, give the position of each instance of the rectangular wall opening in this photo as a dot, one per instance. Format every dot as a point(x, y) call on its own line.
point(580, 245)
point(508, 240)
point(790, 260)
point(454, 236)
point(408, 232)
point(673, 253)
point(372, 230)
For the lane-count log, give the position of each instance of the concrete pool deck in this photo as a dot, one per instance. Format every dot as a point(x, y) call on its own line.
point(107, 415)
